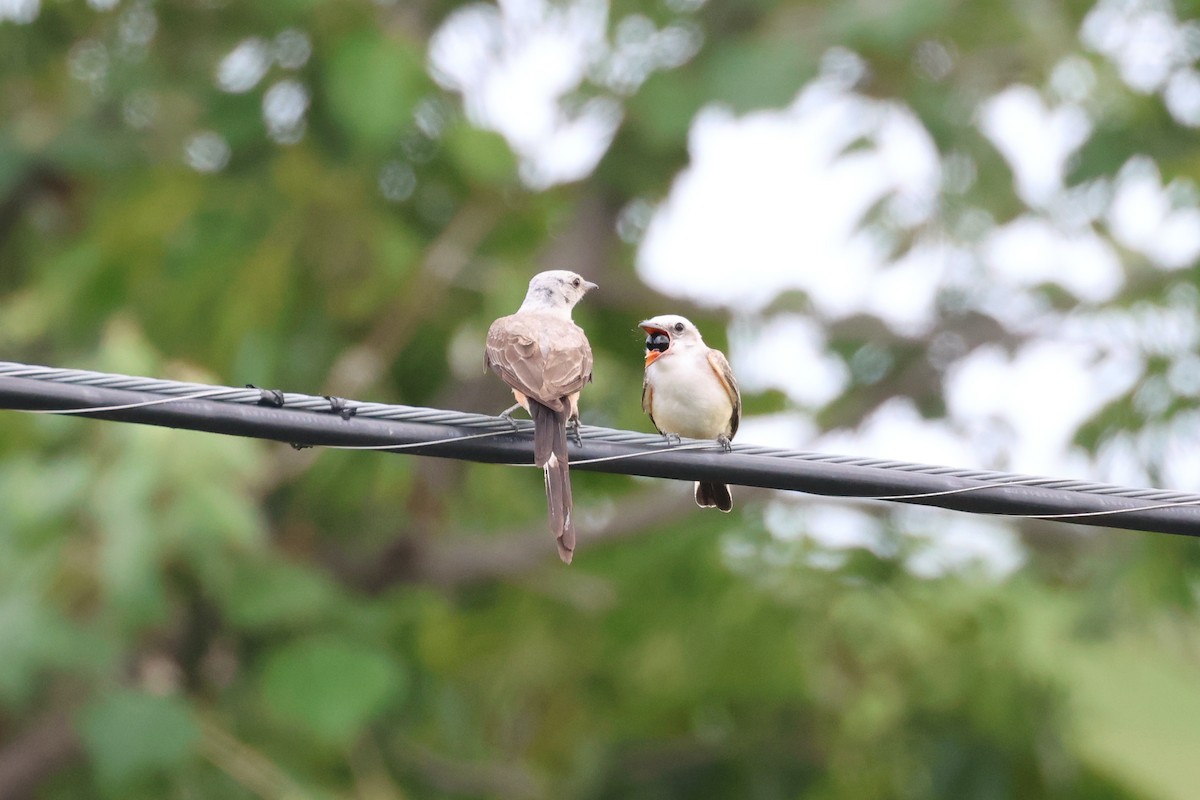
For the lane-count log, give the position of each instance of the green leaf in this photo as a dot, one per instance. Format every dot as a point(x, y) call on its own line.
point(747, 76)
point(330, 686)
point(664, 108)
point(372, 85)
point(35, 639)
point(130, 734)
point(484, 156)
point(267, 594)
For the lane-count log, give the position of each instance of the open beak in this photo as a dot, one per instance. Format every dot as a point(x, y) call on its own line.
point(652, 352)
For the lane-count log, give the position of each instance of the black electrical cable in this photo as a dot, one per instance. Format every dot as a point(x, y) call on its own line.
point(308, 420)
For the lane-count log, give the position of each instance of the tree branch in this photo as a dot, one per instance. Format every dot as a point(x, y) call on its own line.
point(48, 745)
point(463, 559)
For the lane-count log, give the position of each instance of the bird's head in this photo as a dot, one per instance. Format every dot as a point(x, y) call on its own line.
point(555, 290)
point(667, 333)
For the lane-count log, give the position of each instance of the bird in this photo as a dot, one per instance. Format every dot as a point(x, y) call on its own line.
point(689, 390)
point(545, 358)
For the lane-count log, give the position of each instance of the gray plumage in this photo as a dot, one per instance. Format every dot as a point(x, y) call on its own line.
point(545, 358)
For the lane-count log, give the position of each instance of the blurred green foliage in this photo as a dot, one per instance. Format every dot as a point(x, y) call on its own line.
point(190, 616)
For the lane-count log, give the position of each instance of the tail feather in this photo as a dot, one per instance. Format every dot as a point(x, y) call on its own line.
point(714, 495)
point(549, 433)
point(550, 453)
point(558, 499)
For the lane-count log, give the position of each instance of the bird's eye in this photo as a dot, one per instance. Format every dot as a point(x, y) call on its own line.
point(679, 327)
point(575, 283)
point(658, 341)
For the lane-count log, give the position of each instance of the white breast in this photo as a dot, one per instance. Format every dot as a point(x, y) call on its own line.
point(689, 400)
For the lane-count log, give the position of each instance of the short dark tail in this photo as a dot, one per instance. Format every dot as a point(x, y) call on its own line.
point(550, 453)
point(714, 495)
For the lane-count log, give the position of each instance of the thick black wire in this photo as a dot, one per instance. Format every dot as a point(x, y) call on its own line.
point(332, 422)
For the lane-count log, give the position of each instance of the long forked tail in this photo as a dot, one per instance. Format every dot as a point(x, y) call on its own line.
point(550, 453)
point(714, 495)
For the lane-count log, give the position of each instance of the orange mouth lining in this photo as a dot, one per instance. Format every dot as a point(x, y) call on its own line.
point(652, 355)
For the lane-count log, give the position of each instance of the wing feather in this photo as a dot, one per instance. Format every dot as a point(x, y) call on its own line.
point(648, 401)
point(724, 372)
point(541, 356)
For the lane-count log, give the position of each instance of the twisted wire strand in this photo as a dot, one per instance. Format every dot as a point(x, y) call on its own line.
point(169, 391)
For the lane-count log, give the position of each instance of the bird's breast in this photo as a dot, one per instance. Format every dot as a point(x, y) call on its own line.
point(689, 400)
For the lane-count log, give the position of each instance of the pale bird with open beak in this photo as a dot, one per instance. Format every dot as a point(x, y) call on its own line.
point(689, 390)
point(545, 359)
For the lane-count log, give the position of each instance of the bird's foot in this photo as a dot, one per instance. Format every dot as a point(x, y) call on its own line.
point(507, 414)
point(725, 443)
point(672, 439)
point(573, 430)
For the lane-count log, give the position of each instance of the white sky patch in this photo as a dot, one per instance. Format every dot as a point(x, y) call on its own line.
point(787, 430)
point(518, 64)
point(1018, 311)
point(1183, 376)
point(1032, 402)
point(206, 151)
point(1143, 218)
point(291, 49)
point(577, 144)
point(1030, 251)
point(1182, 97)
point(1035, 141)
point(19, 11)
point(787, 352)
point(941, 543)
point(640, 49)
point(244, 66)
point(1129, 334)
point(1130, 330)
point(1173, 448)
point(831, 525)
point(833, 530)
point(1073, 79)
point(1181, 453)
point(904, 293)
point(1143, 38)
point(951, 543)
point(283, 108)
point(514, 64)
point(841, 527)
point(896, 430)
point(777, 198)
point(1081, 205)
point(1119, 462)
point(1152, 50)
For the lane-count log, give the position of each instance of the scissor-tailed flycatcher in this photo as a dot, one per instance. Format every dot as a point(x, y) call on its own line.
point(546, 359)
point(689, 390)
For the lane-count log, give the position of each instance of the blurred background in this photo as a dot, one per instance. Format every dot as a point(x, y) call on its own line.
point(963, 233)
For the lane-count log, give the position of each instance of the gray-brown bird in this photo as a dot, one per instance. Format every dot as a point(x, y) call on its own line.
point(545, 359)
point(689, 390)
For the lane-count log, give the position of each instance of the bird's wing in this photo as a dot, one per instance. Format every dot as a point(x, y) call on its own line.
point(567, 365)
point(542, 357)
point(648, 401)
point(720, 367)
point(512, 352)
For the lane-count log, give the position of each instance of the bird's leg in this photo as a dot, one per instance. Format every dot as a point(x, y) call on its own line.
point(573, 429)
point(725, 443)
point(507, 414)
